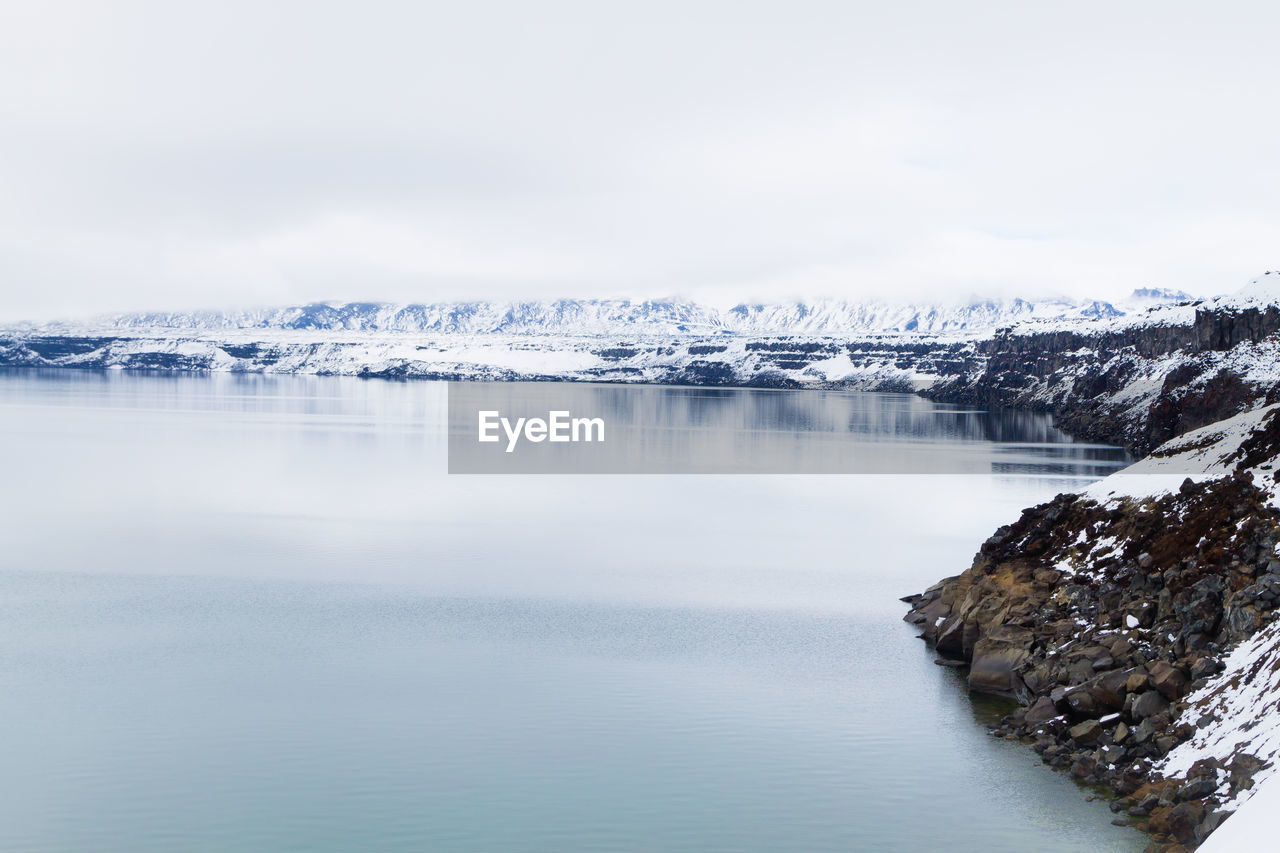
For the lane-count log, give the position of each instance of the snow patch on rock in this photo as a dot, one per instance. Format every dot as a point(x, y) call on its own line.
point(1237, 712)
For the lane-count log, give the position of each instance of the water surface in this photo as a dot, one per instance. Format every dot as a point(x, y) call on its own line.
point(253, 613)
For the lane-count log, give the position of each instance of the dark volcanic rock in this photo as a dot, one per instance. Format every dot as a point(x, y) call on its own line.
point(1086, 733)
point(1042, 711)
point(1146, 705)
point(997, 659)
point(1107, 615)
point(1078, 375)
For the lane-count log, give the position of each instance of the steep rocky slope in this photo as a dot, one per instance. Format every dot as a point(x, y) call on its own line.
point(1137, 380)
point(1136, 625)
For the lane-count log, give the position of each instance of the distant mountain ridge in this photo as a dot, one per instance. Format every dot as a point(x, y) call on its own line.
point(590, 317)
point(1136, 371)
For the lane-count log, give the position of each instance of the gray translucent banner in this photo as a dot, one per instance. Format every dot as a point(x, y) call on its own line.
point(582, 428)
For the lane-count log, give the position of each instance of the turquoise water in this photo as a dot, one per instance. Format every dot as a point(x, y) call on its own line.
point(253, 613)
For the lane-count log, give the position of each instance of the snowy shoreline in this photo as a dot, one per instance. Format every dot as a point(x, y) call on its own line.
point(1148, 658)
point(1138, 623)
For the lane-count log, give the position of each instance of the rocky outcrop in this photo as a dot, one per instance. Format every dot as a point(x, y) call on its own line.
point(1137, 385)
point(1102, 618)
point(1135, 379)
point(774, 361)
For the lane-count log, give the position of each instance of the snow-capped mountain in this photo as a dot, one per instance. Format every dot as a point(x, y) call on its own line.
point(968, 349)
point(1263, 290)
point(830, 317)
point(663, 317)
point(1152, 297)
point(560, 316)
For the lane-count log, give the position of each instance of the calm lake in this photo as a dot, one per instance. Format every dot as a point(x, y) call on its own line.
point(254, 613)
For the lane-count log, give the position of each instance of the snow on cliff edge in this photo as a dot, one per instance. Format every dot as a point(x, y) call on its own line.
point(1260, 293)
point(1254, 826)
point(1204, 454)
point(1238, 711)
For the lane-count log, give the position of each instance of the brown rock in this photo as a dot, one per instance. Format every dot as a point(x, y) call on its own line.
point(1158, 821)
point(1183, 820)
point(1169, 680)
point(1137, 682)
point(1084, 766)
point(1041, 712)
point(1108, 689)
point(950, 638)
point(1086, 733)
point(997, 658)
point(1047, 577)
point(1082, 703)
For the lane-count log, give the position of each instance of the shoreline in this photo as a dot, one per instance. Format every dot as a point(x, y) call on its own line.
point(1114, 708)
point(1116, 619)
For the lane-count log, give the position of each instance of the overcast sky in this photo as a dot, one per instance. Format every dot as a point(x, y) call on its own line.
point(177, 154)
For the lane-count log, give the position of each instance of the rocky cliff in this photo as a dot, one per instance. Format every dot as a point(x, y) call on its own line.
point(1135, 377)
point(780, 361)
point(1112, 616)
point(1136, 381)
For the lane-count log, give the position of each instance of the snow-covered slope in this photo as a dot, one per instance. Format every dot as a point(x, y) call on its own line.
point(1256, 825)
point(1139, 623)
point(1236, 714)
point(1154, 307)
point(595, 317)
point(1207, 453)
point(1263, 290)
point(973, 316)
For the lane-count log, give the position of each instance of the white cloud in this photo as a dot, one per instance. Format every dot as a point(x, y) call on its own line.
point(164, 155)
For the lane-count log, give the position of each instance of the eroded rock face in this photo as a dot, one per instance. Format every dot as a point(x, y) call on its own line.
point(997, 658)
point(1089, 380)
point(1101, 619)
